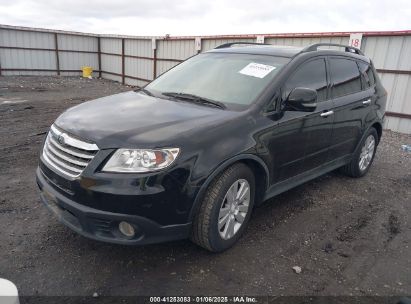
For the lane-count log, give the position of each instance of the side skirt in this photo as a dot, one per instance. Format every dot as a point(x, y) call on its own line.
point(305, 177)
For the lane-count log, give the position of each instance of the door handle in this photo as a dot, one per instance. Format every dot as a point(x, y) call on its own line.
point(326, 114)
point(367, 102)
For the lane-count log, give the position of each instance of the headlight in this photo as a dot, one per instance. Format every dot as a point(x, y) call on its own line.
point(140, 160)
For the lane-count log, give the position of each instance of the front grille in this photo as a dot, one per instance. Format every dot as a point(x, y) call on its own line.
point(67, 154)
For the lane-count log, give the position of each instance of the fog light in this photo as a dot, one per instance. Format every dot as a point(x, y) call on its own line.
point(126, 229)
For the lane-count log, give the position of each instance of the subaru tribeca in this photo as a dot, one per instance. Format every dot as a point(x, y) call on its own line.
point(193, 152)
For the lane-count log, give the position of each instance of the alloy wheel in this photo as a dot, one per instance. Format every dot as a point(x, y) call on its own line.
point(234, 209)
point(367, 152)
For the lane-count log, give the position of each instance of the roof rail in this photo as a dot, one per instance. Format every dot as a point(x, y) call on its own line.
point(230, 44)
point(350, 49)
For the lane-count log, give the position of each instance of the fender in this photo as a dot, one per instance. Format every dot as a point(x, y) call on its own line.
point(220, 169)
point(364, 133)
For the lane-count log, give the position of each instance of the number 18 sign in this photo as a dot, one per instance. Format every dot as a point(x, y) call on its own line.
point(355, 40)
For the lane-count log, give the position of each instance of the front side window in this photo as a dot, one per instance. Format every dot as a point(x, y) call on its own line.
point(345, 77)
point(310, 75)
point(233, 79)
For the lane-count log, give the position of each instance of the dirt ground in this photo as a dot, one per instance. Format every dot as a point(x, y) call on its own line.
point(349, 236)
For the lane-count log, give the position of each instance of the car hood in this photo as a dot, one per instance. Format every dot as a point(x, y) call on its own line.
point(134, 120)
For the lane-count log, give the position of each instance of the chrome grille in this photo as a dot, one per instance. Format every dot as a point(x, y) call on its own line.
point(67, 154)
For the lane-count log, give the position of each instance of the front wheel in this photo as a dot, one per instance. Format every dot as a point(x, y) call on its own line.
point(363, 158)
point(225, 209)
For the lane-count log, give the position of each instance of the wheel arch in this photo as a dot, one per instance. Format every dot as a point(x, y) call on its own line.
point(377, 126)
point(256, 164)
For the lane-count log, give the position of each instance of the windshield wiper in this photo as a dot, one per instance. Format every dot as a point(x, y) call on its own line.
point(145, 91)
point(195, 98)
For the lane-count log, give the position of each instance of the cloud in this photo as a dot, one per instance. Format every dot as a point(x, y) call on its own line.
point(205, 17)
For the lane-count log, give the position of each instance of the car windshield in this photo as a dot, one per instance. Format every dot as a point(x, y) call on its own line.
point(235, 80)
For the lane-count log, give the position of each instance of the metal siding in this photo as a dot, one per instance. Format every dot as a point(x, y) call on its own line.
point(399, 92)
point(392, 53)
point(74, 61)
point(134, 82)
point(138, 47)
point(398, 124)
point(26, 39)
point(389, 52)
point(388, 81)
point(27, 73)
point(404, 126)
point(111, 77)
point(141, 68)
point(164, 66)
point(175, 49)
point(110, 63)
point(111, 45)
point(27, 59)
point(78, 43)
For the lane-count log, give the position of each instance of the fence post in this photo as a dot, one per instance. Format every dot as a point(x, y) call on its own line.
point(197, 44)
point(123, 65)
point(56, 46)
point(154, 47)
point(99, 56)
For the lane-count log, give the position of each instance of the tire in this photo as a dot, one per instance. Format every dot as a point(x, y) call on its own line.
point(354, 168)
point(206, 231)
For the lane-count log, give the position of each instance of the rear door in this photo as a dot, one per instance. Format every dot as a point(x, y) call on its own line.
point(352, 95)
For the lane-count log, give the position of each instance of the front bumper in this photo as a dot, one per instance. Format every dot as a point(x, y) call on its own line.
point(103, 225)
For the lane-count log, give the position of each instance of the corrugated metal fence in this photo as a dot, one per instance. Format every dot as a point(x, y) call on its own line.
point(137, 60)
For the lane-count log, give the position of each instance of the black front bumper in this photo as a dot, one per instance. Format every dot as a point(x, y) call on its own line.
point(103, 225)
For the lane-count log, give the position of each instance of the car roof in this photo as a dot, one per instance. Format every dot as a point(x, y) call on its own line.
point(273, 50)
point(282, 51)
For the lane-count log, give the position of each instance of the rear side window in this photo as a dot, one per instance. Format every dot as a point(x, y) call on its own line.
point(345, 77)
point(367, 75)
point(310, 75)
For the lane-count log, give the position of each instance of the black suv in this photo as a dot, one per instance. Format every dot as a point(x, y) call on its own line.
point(192, 153)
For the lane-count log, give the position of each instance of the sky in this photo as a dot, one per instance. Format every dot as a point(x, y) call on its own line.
point(206, 17)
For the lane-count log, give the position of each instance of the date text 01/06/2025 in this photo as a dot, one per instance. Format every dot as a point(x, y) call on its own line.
point(204, 299)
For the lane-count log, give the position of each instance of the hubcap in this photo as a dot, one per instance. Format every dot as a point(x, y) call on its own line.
point(234, 209)
point(367, 152)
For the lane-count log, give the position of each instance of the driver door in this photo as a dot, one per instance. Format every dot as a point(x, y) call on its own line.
point(307, 139)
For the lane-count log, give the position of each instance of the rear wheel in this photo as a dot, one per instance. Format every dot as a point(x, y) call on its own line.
point(225, 209)
point(363, 158)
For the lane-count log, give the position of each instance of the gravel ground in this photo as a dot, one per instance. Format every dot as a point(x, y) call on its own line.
point(349, 236)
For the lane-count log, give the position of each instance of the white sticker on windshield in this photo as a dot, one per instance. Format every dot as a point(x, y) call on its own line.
point(257, 70)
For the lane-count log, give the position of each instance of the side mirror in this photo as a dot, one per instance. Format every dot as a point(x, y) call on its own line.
point(302, 99)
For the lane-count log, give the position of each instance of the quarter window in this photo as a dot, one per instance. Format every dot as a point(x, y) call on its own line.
point(371, 76)
point(345, 77)
point(367, 76)
point(310, 75)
